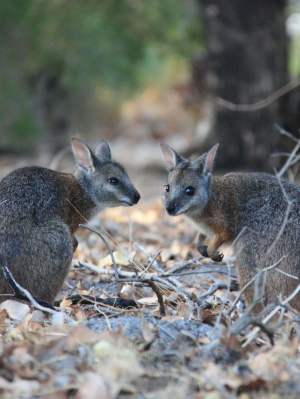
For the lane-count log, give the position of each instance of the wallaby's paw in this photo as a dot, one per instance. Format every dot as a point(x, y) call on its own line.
point(203, 250)
point(217, 256)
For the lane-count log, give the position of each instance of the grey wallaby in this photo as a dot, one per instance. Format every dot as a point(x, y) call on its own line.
point(258, 212)
point(40, 210)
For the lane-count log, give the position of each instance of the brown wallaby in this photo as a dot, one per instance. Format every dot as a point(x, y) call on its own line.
point(256, 211)
point(40, 210)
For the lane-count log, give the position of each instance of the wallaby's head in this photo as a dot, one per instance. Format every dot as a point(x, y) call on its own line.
point(104, 180)
point(189, 181)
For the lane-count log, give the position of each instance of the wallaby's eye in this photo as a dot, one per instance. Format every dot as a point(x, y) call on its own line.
point(113, 180)
point(167, 188)
point(189, 190)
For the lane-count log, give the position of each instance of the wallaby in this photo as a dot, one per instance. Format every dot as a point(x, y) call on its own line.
point(40, 210)
point(258, 212)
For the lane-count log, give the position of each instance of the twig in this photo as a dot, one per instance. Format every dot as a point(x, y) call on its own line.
point(143, 278)
point(254, 332)
point(248, 320)
point(85, 226)
point(286, 133)
point(251, 281)
point(219, 285)
point(153, 261)
point(285, 220)
point(262, 103)
point(205, 269)
point(289, 160)
point(23, 293)
point(280, 154)
point(114, 302)
point(180, 267)
point(162, 309)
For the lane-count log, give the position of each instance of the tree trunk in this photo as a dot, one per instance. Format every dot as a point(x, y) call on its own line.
point(247, 51)
point(52, 101)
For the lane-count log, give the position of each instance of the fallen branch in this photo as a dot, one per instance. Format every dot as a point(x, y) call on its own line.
point(254, 332)
point(219, 285)
point(269, 100)
point(249, 320)
point(114, 302)
point(24, 294)
point(156, 290)
point(165, 282)
point(289, 160)
point(252, 280)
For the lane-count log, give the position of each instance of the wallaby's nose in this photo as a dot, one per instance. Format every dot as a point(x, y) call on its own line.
point(136, 197)
point(171, 209)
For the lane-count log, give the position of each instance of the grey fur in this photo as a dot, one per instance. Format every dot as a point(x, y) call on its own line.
point(249, 209)
point(40, 210)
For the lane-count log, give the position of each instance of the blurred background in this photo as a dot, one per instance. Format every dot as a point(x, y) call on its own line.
point(136, 72)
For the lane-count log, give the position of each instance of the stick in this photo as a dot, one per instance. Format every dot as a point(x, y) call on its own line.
point(113, 302)
point(248, 320)
point(22, 293)
point(251, 281)
point(254, 332)
point(289, 160)
point(142, 278)
point(85, 226)
point(162, 309)
point(262, 103)
point(219, 285)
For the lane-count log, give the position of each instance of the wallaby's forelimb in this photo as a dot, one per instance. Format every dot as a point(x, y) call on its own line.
point(209, 247)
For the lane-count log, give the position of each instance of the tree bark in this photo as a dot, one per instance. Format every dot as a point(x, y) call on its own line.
point(52, 103)
point(247, 52)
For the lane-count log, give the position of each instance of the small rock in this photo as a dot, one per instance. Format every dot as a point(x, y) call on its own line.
point(16, 310)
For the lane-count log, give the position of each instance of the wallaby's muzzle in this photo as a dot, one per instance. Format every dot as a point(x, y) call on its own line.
point(171, 208)
point(132, 199)
point(136, 198)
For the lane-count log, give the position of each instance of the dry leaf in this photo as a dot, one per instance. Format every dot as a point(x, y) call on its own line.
point(122, 258)
point(93, 386)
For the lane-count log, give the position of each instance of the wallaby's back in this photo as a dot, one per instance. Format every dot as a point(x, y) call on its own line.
point(40, 210)
point(35, 238)
point(257, 211)
point(267, 224)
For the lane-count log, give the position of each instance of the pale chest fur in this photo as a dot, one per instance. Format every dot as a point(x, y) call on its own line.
point(201, 227)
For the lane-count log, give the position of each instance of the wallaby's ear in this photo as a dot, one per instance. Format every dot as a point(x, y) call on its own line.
point(210, 159)
point(82, 155)
point(102, 151)
point(199, 162)
point(172, 159)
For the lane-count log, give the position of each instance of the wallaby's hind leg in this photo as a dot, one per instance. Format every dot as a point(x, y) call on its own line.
point(247, 250)
point(41, 261)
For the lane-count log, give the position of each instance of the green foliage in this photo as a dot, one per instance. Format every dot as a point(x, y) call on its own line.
point(119, 45)
point(294, 59)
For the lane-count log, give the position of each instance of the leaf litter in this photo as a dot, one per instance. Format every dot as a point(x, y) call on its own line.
point(161, 330)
